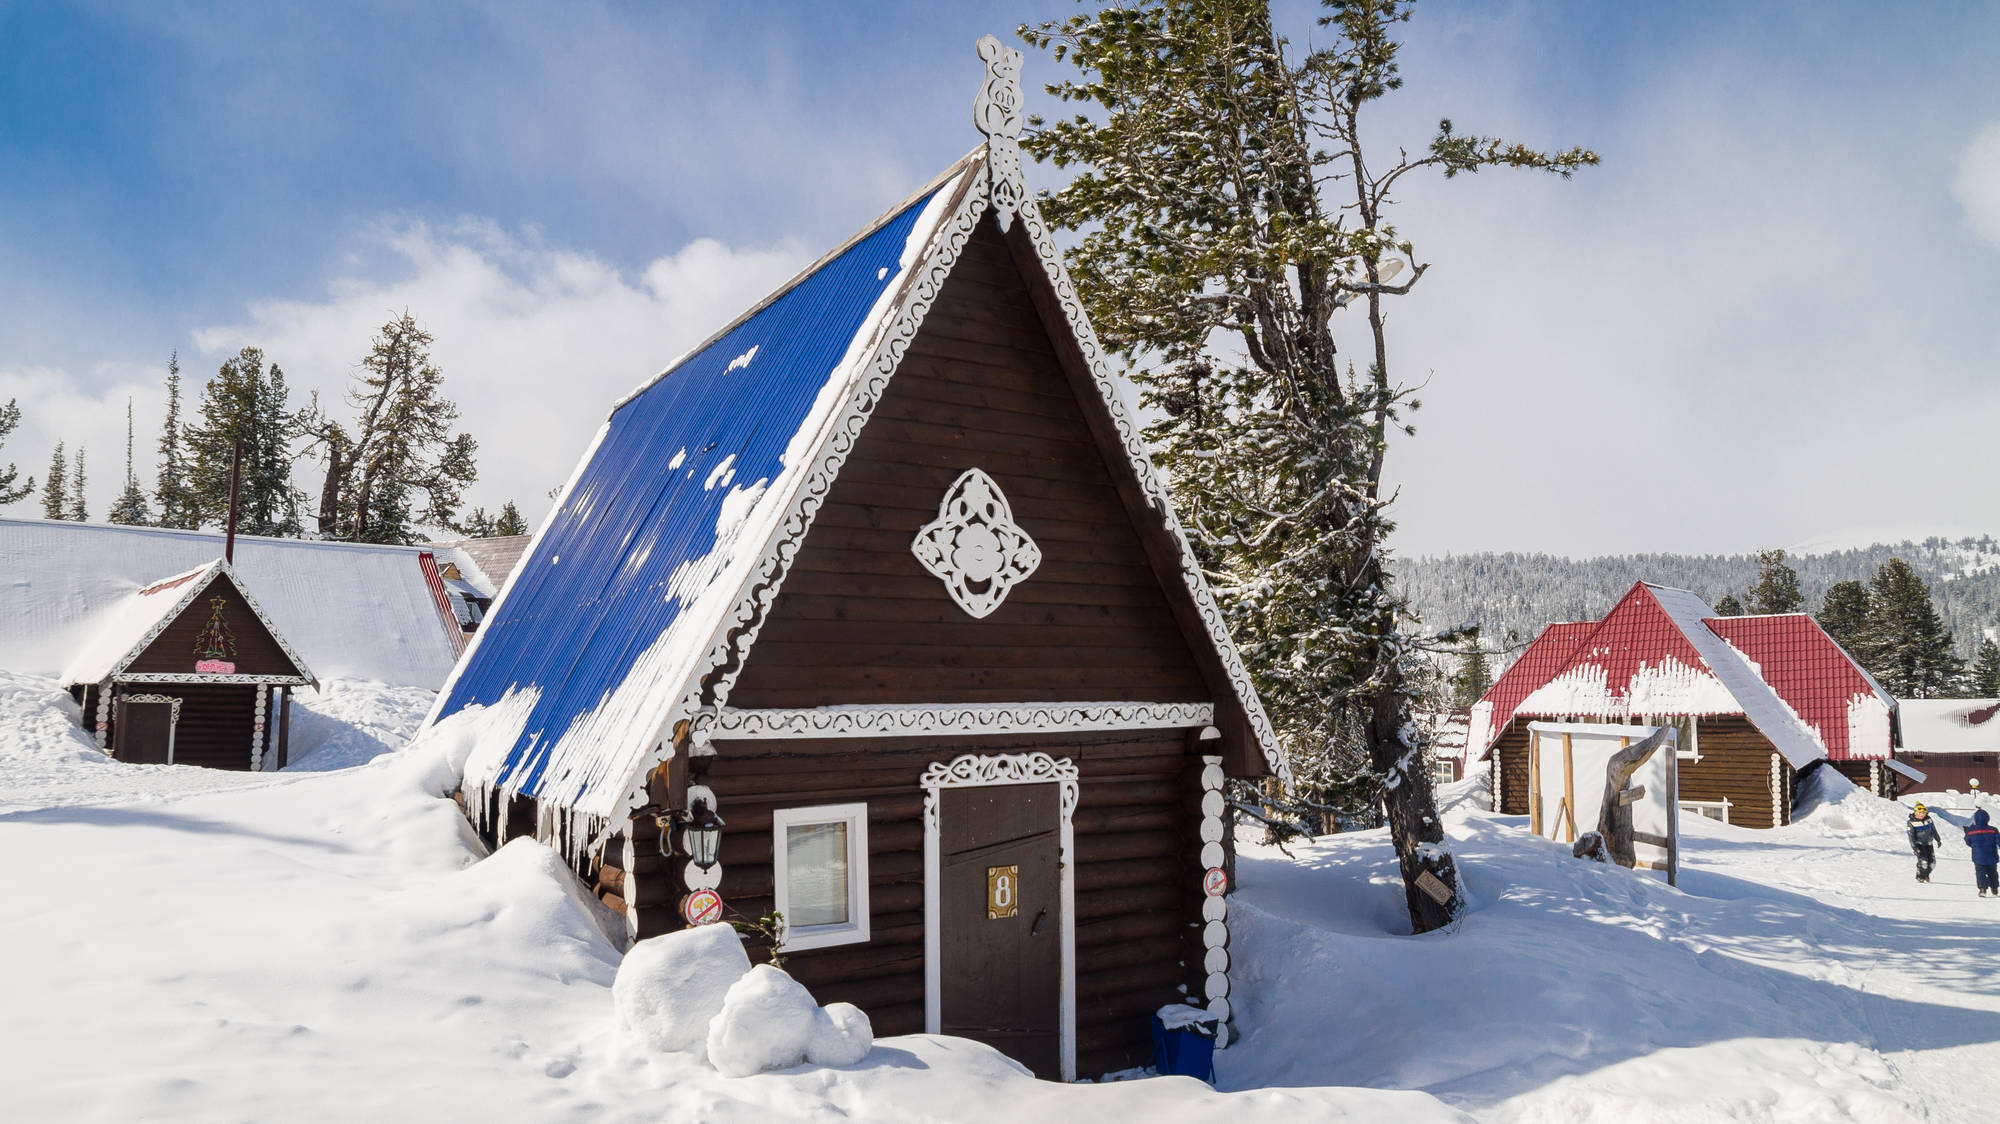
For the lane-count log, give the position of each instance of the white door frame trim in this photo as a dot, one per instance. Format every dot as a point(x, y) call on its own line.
point(973, 770)
point(173, 718)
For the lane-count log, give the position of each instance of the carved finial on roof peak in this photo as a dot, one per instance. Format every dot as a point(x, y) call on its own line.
point(997, 113)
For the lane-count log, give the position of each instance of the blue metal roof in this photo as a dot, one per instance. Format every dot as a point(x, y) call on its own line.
point(634, 544)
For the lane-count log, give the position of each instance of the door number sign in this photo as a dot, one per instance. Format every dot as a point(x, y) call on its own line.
point(1003, 892)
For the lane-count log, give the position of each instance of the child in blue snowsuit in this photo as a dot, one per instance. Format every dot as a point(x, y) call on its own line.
point(1983, 840)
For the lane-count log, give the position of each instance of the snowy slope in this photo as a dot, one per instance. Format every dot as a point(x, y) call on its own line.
point(331, 946)
point(1799, 974)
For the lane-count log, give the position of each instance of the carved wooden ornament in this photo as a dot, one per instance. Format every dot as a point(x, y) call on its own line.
point(974, 546)
point(997, 113)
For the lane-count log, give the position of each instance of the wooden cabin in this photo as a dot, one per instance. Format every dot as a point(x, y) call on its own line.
point(1951, 744)
point(882, 576)
point(189, 671)
point(1756, 700)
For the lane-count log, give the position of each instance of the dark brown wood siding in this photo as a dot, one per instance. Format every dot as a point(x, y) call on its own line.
point(216, 721)
point(1137, 878)
point(257, 653)
point(859, 621)
point(1870, 775)
point(1510, 758)
point(1950, 770)
point(1735, 765)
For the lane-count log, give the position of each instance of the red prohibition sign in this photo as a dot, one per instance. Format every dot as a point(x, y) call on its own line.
point(1215, 883)
point(703, 907)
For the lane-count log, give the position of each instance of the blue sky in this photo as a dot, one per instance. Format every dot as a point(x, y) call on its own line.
point(1777, 279)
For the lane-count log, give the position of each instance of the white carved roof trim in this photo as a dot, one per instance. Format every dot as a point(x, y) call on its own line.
point(194, 587)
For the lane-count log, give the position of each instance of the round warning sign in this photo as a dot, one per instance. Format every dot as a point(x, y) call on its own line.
point(1215, 883)
point(703, 907)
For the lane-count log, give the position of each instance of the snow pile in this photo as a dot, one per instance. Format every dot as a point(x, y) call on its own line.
point(671, 987)
point(766, 1022)
point(694, 992)
point(348, 722)
point(1833, 806)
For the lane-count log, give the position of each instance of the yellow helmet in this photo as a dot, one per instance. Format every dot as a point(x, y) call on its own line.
point(1920, 806)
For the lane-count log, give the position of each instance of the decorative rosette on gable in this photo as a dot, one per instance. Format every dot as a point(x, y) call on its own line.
point(974, 546)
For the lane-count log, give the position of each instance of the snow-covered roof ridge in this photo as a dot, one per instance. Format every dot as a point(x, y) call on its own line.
point(351, 610)
point(1789, 734)
point(694, 496)
point(1951, 725)
point(127, 627)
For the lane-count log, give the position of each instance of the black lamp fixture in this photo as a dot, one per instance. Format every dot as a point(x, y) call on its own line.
point(703, 838)
point(704, 835)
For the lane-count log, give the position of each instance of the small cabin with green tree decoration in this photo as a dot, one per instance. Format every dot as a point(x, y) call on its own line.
point(189, 671)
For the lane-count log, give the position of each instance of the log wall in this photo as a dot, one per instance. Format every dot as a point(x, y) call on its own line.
point(1137, 876)
point(860, 621)
point(1735, 765)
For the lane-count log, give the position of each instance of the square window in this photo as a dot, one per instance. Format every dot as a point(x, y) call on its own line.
point(819, 859)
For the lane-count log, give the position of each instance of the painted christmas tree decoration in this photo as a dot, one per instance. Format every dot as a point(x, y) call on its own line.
point(215, 646)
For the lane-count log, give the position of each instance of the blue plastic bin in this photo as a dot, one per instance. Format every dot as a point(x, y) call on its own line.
point(1184, 1051)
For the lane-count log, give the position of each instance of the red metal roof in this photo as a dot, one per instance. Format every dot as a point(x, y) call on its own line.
point(1814, 675)
point(1539, 664)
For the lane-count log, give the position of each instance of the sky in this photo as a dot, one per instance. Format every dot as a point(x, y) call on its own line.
point(1767, 319)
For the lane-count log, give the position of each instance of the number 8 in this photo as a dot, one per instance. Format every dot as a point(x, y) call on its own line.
point(1003, 891)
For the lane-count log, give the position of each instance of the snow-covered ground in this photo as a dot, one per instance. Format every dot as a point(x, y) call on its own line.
point(329, 943)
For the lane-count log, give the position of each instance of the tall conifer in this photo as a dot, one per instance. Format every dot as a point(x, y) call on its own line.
point(1984, 678)
point(79, 507)
point(55, 493)
point(1226, 215)
point(1907, 646)
point(244, 402)
point(1777, 588)
point(130, 508)
point(10, 416)
point(1843, 613)
point(170, 486)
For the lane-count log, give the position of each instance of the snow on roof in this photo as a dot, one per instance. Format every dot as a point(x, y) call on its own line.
point(1653, 654)
point(121, 626)
point(350, 610)
point(492, 559)
point(620, 595)
point(1540, 663)
point(1950, 725)
point(693, 492)
point(1817, 678)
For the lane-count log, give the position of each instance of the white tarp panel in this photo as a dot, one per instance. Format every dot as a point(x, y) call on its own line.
point(1566, 797)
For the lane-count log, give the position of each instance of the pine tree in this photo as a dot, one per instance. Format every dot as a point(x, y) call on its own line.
point(1984, 679)
point(1843, 613)
point(245, 403)
point(1228, 214)
point(170, 488)
point(55, 493)
point(10, 492)
point(1907, 646)
point(131, 506)
point(400, 465)
point(510, 521)
point(1777, 588)
point(79, 509)
point(1474, 675)
point(1729, 606)
point(478, 525)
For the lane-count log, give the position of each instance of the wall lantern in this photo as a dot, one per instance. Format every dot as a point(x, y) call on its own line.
point(704, 835)
point(703, 838)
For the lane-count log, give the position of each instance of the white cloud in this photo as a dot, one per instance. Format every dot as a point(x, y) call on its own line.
point(536, 343)
point(1977, 187)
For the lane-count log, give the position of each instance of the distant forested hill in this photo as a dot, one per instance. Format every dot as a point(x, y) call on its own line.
point(1519, 593)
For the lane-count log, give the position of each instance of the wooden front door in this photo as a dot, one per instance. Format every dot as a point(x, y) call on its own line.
point(1000, 978)
point(145, 731)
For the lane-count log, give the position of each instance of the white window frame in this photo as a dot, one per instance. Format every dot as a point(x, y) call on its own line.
point(1695, 807)
point(855, 929)
point(1685, 749)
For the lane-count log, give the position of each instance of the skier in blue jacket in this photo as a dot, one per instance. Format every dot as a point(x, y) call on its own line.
point(1983, 840)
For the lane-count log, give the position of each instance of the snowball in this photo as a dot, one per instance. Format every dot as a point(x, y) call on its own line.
point(669, 988)
point(841, 1036)
point(767, 1022)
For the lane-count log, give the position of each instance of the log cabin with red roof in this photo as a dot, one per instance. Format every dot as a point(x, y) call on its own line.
point(1758, 700)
